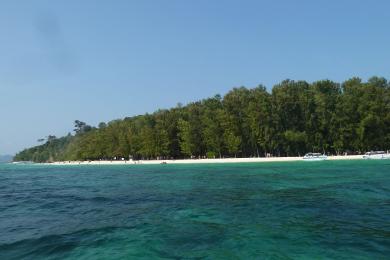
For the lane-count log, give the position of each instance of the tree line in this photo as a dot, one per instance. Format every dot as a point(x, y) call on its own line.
point(295, 117)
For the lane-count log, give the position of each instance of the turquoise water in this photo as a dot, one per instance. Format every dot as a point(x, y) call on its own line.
point(297, 210)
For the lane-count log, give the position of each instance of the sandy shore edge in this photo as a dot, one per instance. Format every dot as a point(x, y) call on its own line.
point(200, 161)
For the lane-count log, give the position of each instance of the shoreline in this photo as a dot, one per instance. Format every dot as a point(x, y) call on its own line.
point(203, 161)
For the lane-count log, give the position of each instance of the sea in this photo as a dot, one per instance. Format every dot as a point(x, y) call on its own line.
point(285, 210)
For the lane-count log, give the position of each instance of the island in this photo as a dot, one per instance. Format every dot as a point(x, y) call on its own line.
point(293, 118)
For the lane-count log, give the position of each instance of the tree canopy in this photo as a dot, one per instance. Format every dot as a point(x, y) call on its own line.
point(294, 118)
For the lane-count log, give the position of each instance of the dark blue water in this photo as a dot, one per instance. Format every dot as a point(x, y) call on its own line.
point(335, 210)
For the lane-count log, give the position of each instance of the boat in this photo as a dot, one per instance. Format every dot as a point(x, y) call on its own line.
point(314, 157)
point(376, 155)
point(22, 162)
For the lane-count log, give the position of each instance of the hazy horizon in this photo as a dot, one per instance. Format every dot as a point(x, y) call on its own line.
point(95, 61)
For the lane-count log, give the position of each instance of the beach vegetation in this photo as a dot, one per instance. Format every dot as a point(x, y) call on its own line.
point(292, 118)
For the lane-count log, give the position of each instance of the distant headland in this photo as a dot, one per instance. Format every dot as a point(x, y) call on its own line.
point(6, 158)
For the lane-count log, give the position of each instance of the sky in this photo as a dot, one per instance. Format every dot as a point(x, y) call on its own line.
point(96, 61)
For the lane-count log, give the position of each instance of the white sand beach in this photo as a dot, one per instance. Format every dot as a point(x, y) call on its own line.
point(200, 161)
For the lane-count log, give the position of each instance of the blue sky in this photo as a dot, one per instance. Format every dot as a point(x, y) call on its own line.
point(102, 60)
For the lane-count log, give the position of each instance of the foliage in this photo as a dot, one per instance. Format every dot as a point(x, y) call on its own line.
point(296, 117)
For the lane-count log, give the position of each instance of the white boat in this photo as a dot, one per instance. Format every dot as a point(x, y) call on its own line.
point(314, 157)
point(377, 155)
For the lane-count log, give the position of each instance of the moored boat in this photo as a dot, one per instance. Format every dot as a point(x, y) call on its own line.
point(376, 155)
point(314, 157)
